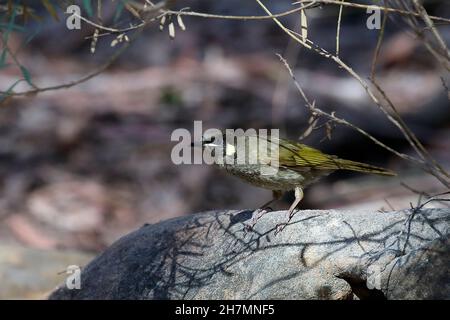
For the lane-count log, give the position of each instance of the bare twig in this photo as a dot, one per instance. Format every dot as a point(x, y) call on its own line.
point(378, 47)
point(338, 29)
point(425, 160)
point(89, 76)
point(314, 110)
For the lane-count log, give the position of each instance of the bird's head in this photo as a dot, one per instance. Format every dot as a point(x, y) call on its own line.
point(217, 143)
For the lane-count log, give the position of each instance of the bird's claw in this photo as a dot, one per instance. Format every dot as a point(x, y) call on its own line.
point(280, 227)
point(258, 213)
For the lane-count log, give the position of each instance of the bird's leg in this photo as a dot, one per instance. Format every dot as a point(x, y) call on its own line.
point(276, 195)
point(298, 197)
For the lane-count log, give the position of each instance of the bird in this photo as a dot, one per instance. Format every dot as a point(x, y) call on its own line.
point(295, 165)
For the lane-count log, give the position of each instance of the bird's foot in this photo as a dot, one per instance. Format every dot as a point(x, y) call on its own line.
point(258, 213)
point(280, 227)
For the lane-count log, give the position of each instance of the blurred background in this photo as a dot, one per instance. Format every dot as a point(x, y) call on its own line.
point(83, 166)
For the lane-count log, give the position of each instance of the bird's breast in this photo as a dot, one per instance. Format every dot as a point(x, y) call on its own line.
point(281, 179)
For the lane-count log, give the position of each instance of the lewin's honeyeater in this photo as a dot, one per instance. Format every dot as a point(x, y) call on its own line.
point(298, 165)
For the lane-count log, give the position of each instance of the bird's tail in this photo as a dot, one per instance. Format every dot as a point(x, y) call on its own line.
point(363, 167)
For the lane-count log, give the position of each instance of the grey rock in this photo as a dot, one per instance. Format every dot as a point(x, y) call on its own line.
point(422, 274)
point(321, 254)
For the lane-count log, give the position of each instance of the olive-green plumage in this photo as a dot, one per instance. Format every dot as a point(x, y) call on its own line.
point(298, 165)
point(297, 156)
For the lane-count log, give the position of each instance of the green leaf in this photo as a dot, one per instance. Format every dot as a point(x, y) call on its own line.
point(26, 75)
point(10, 25)
point(8, 28)
point(87, 4)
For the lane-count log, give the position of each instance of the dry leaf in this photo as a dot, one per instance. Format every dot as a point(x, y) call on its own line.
point(180, 23)
point(304, 25)
point(172, 30)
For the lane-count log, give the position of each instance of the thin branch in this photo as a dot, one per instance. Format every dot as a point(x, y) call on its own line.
point(378, 47)
point(371, 6)
point(314, 110)
point(338, 29)
point(395, 118)
point(85, 78)
point(426, 18)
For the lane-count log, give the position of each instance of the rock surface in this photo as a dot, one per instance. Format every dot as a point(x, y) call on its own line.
point(325, 254)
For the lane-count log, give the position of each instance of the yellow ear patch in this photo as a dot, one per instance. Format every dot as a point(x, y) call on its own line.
point(230, 149)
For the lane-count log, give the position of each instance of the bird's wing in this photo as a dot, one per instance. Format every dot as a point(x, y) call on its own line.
point(302, 157)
